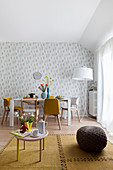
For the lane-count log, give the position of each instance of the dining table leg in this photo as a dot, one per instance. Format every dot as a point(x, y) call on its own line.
point(69, 112)
point(12, 112)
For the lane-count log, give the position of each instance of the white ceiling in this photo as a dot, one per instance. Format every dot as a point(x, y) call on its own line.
point(45, 20)
point(89, 22)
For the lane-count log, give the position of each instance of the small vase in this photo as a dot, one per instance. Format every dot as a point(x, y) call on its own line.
point(29, 125)
point(43, 95)
point(47, 92)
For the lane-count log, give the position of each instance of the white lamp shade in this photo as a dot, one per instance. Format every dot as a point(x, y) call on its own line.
point(83, 73)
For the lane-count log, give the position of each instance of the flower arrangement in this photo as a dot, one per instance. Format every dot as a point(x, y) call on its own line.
point(43, 87)
point(26, 121)
point(48, 81)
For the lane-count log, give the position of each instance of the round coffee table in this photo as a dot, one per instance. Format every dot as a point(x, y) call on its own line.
point(29, 138)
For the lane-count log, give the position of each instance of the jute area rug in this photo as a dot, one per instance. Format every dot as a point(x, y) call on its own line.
point(61, 153)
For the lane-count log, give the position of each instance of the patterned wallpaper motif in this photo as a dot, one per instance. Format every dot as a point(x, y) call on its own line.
point(18, 62)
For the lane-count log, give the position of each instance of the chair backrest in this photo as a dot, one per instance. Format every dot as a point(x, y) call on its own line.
point(74, 100)
point(7, 102)
point(51, 107)
point(25, 101)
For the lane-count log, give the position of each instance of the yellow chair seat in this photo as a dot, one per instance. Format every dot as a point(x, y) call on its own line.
point(17, 108)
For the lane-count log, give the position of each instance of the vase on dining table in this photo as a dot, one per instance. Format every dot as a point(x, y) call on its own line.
point(43, 95)
point(47, 92)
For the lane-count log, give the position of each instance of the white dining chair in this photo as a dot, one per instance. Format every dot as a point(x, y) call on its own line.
point(74, 107)
point(30, 106)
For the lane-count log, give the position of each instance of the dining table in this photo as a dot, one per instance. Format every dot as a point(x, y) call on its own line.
point(68, 100)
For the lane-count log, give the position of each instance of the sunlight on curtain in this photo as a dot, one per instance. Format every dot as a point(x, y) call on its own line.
point(105, 86)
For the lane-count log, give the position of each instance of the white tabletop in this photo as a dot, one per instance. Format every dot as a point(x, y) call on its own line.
point(29, 138)
point(63, 99)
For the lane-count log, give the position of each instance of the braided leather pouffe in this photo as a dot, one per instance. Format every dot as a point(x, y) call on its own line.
point(91, 138)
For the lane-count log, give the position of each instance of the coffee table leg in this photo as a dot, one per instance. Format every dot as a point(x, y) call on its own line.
point(40, 150)
point(43, 143)
point(17, 149)
point(24, 145)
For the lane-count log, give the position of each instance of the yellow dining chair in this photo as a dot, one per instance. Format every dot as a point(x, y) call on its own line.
point(7, 108)
point(51, 107)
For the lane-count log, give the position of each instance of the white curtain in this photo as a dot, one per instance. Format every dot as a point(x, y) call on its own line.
point(105, 86)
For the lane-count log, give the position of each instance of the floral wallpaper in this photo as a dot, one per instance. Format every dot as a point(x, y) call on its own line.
point(18, 62)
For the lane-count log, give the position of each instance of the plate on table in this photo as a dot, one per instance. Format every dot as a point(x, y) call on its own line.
point(35, 136)
point(60, 97)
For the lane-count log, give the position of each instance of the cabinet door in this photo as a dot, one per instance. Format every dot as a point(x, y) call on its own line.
point(93, 103)
point(90, 103)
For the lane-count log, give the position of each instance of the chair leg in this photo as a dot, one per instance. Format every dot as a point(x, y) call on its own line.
point(45, 117)
point(61, 114)
point(17, 120)
point(6, 116)
point(58, 118)
point(38, 113)
point(71, 114)
point(19, 112)
point(78, 115)
point(3, 117)
point(19, 116)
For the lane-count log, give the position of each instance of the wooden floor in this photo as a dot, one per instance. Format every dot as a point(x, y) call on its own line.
point(52, 128)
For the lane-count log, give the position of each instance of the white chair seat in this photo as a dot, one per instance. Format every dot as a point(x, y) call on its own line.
point(31, 111)
point(72, 107)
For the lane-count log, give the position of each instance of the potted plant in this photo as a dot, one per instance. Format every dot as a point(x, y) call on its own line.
point(26, 120)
